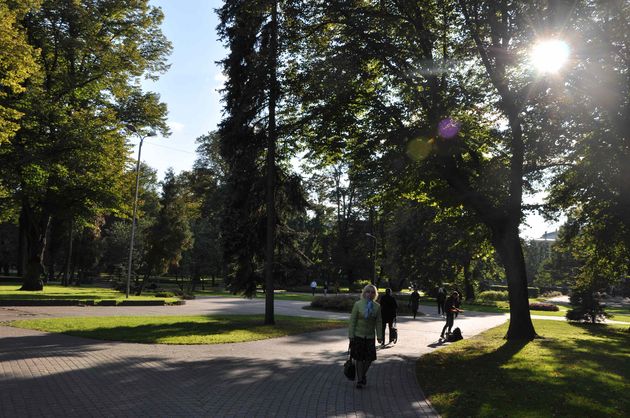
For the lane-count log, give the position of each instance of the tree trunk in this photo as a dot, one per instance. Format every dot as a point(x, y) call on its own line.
point(468, 281)
point(34, 226)
point(508, 245)
point(66, 273)
point(271, 170)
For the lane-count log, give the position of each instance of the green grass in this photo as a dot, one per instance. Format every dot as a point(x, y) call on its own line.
point(180, 329)
point(576, 370)
point(11, 291)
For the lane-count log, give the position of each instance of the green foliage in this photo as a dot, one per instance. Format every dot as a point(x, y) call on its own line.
point(539, 306)
point(338, 303)
point(18, 63)
point(585, 305)
point(492, 295)
point(170, 234)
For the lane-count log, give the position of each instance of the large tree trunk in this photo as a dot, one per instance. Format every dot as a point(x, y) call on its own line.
point(34, 226)
point(271, 171)
point(508, 245)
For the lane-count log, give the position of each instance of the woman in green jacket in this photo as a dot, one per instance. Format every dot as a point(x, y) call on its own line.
point(365, 321)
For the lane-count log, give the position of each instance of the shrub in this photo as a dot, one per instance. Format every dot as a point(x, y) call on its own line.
point(164, 294)
point(551, 294)
point(538, 306)
point(532, 292)
point(358, 285)
point(585, 306)
point(340, 303)
point(492, 295)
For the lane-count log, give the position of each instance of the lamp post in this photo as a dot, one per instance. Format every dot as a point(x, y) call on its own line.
point(133, 129)
point(373, 258)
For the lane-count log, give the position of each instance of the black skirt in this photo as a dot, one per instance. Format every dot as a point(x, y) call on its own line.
point(363, 349)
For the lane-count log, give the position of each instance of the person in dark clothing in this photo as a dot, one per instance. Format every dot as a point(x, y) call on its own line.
point(441, 298)
point(414, 302)
point(450, 309)
point(389, 306)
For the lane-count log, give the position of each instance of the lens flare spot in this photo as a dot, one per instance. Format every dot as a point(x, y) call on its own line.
point(448, 128)
point(419, 149)
point(550, 55)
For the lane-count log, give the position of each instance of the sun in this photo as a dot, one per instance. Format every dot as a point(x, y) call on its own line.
point(550, 55)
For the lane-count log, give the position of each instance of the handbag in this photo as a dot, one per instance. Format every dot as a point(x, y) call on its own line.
point(393, 333)
point(349, 369)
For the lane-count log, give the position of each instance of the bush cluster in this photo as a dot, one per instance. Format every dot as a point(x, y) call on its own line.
point(339, 303)
point(532, 292)
point(540, 306)
point(551, 294)
point(492, 295)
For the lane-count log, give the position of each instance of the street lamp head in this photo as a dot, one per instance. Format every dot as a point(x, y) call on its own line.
point(135, 130)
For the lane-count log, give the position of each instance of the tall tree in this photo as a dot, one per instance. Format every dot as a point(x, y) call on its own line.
point(170, 236)
point(69, 155)
point(250, 137)
point(446, 84)
point(17, 63)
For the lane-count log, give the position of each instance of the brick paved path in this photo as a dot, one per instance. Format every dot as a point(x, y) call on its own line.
point(49, 375)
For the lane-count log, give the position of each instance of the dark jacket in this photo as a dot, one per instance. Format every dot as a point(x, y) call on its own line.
point(389, 306)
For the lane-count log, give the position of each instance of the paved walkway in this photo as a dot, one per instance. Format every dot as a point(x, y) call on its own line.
point(51, 375)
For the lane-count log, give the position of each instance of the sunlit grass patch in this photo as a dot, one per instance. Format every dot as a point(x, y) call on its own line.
point(11, 291)
point(180, 329)
point(574, 370)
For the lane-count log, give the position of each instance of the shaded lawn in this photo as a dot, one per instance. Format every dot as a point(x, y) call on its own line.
point(576, 370)
point(11, 291)
point(180, 329)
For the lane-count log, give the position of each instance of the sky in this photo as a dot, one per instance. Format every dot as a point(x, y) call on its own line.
point(190, 89)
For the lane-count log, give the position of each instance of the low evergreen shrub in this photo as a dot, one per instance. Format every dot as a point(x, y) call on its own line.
point(492, 295)
point(551, 294)
point(540, 306)
point(339, 303)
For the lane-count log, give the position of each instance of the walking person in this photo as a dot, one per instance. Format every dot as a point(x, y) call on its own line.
point(389, 308)
point(441, 298)
point(365, 322)
point(450, 309)
point(313, 287)
point(414, 302)
point(326, 288)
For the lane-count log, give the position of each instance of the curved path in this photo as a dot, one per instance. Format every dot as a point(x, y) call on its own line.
point(52, 375)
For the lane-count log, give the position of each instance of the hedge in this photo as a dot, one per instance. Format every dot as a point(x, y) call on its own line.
point(532, 292)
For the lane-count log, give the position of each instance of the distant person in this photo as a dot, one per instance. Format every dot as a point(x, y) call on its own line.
point(313, 287)
point(325, 287)
point(450, 309)
point(336, 287)
point(414, 302)
point(365, 321)
point(389, 308)
point(441, 298)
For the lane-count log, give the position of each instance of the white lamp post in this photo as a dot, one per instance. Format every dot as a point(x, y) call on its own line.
point(135, 203)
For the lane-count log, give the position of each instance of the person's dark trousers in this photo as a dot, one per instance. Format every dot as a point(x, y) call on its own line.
point(449, 323)
point(440, 304)
point(391, 325)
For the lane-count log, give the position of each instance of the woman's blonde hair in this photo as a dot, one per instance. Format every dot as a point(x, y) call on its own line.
point(369, 287)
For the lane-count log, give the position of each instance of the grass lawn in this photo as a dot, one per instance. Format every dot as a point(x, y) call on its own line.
point(576, 370)
point(10, 291)
point(180, 329)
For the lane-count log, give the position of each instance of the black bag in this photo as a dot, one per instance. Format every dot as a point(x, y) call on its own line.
point(349, 369)
point(393, 334)
point(456, 335)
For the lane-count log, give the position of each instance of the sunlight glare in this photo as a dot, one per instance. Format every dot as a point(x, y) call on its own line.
point(550, 55)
